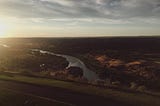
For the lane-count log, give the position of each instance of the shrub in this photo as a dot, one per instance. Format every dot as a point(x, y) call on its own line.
point(116, 83)
point(141, 88)
point(133, 85)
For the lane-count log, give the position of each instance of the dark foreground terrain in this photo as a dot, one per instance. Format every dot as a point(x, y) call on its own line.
point(56, 96)
point(127, 71)
point(23, 91)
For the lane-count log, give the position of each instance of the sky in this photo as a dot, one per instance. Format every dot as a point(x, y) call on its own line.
point(79, 18)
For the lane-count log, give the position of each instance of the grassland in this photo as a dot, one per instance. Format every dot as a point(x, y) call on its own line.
point(10, 97)
point(131, 98)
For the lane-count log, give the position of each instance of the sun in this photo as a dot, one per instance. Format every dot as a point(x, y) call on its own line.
point(3, 29)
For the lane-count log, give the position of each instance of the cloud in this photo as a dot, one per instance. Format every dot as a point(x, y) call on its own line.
point(81, 9)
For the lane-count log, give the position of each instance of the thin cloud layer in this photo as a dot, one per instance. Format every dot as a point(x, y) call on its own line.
point(80, 17)
point(55, 9)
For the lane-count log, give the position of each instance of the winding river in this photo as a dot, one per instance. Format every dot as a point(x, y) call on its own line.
point(3, 45)
point(73, 61)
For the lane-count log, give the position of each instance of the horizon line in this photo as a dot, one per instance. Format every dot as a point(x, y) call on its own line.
point(83, 36)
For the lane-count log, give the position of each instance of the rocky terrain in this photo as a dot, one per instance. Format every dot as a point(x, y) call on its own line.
point(137, 71)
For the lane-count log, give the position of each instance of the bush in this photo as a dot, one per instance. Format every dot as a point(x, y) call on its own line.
point(27, 73)
point(116, 83)
point(133, 85)
point(141, 88)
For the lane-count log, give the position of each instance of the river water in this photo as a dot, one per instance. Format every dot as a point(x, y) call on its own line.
point(3, 45)
point(73, 61)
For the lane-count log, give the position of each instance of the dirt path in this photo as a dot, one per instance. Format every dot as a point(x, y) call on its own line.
point(60, 95)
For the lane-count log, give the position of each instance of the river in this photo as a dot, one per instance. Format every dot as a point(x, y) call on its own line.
point(75, 62)
point(3, 45)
